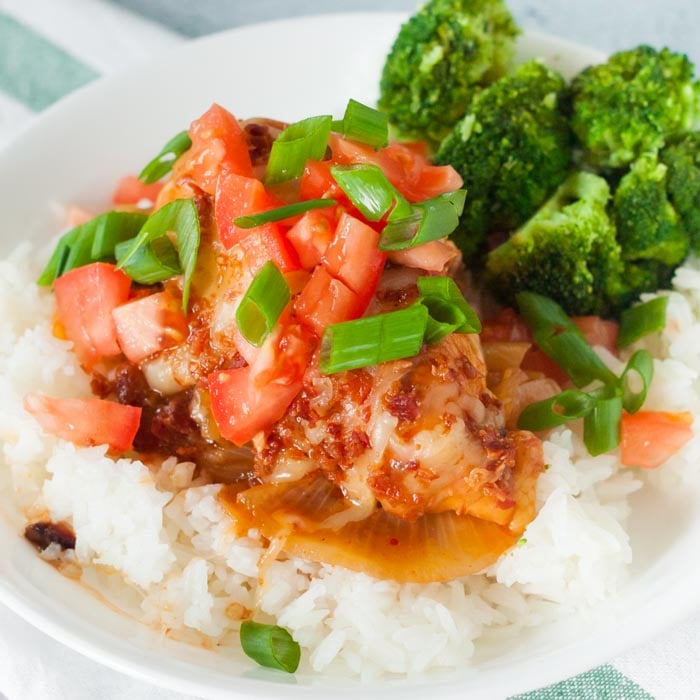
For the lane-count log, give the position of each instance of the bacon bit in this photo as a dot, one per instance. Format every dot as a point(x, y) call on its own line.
point(43, 534)
point(403, 404)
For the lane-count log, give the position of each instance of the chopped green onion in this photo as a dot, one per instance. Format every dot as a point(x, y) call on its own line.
point(270, 646)
point(543, 315)
point(577, 358)
point(162, 164)
point(368, 189)
point(444, 318)
point(179, 217)
point(372, 340)
point(281, 213)
point(299, 142)
point(601, 427)
point(558, 410)
point(93, 241)
point(446, 288)
point(364, 124)
point(641, 320)
point(559, 338)
point(642, 365)
point(152, 263)
point(430, 220)
point(262, 304)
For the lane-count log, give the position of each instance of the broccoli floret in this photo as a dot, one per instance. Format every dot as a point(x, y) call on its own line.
point(513, 149)
point(682, 156)
point(567, 251)
point(442, 54)
point(632, 104)
point(648, 226)
point(637, 278)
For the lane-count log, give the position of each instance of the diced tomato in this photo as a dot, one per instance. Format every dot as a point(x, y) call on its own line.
point(317, 181)
point(130, 190)
point(250, 399)
point(85, 299)
point(148, 325)
point(326, 300)
point(649, 438)
point(237, 195)
point(218, 144)
point(269, 243)
point(241, 410)
point(507, 325)
point(310, 236)
point(598, 331)
point(432, 256)
point(86, 422)
point(405, 166)
point(353, 257)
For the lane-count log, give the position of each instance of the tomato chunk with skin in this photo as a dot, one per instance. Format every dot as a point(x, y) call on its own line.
point(85, 299)
point(237, 195)
point(131, 190)
point(269, 243)
point(148, 325)
point(311, 236)
point(218, 144)
point(326, 300)
point(353, 257)
point(649, 438)
point(86, 422)
point(318, 183)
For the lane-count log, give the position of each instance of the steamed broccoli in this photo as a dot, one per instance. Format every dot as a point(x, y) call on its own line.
point(648, 226)
point(442, 54)
point(513, 149)
point(567, 251)
point(682, 157)
point(632, 104)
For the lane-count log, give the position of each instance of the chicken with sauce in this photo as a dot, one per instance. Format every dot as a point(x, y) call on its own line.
point(408, 455)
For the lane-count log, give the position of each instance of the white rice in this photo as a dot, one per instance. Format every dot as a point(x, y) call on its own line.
point(161, 545)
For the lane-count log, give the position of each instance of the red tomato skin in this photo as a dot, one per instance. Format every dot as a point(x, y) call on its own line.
point(269, 243)
point(238, 195)
point(318, 183)
point(218, 144)
point(240, 409)
point(311, 236)
point(148, 325)
point(130, 190)
point(598, 331)
point(326, 300)
point(86, 422)
point(649, 438)
point(85, 299)
point(353, 257)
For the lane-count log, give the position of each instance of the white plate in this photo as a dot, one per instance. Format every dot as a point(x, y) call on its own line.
point(287, 69)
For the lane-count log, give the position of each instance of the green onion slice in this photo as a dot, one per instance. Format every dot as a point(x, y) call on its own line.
point(262, 304)
point(369, 190)
point(601, 427)
point(430, 220)
point(543, 315)
point(281, 213)
point(559, 338)
point(444, 318)
point(162, 164)
point(560, 409)
point(299, 142)
point(270, 646)
point(152, 263)
point(180, 218)
point(372, 340)
point(577, 358)
point(93, 241)
point(364, 124)
point(446, 288)
point(641, 365)
point(641, 320)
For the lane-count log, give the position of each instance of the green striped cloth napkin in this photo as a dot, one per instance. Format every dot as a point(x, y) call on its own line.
point(47, 49)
